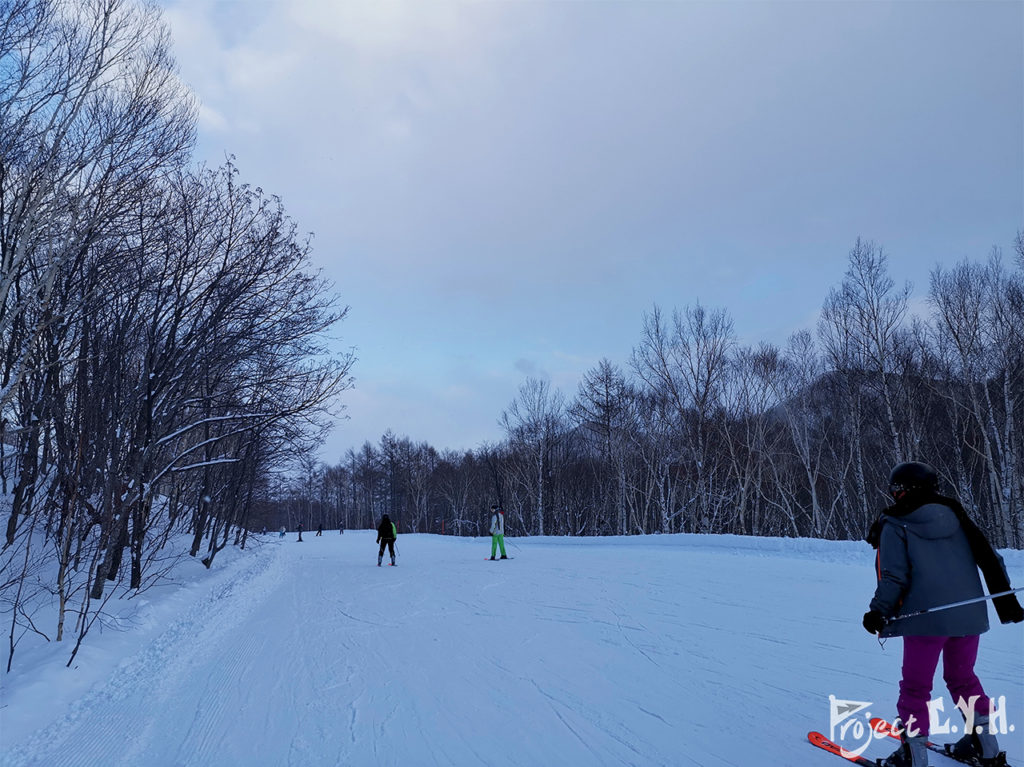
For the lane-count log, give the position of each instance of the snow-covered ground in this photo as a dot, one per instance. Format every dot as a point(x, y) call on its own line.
point(658, 650)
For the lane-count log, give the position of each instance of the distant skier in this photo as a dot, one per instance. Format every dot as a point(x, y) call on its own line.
point(341, 529)
point(282, 532)
point(929, 552)
point(319, 530)
point(387, 533)
point(497, 530)
point(300, 532)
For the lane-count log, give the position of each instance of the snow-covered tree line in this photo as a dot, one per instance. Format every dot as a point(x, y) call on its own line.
point(698, 433)
point(162, 336)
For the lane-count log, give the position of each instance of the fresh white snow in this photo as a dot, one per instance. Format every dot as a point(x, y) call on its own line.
point(656, 650)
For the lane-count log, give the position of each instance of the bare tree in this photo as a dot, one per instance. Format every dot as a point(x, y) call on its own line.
point(687, 363)
point(978, 321)
point(604, 409)
point(534, 421)
point(90, 113)
point(870, 313)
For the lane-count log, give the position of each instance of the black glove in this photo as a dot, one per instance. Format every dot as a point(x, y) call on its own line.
point(874, 621)
point(1009, 609)
point(874, 535)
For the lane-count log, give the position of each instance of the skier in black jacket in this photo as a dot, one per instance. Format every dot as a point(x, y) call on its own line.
point(929, 552)
point(387, 533)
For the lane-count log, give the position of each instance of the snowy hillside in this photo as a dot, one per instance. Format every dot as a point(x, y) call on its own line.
point(659, 650)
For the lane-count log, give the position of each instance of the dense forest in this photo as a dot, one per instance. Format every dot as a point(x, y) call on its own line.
point(697, 433)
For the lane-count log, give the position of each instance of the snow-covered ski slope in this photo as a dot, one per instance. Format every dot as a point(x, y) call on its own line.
point(657, 650)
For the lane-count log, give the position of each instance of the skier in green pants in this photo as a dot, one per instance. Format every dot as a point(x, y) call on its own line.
point(498, 531)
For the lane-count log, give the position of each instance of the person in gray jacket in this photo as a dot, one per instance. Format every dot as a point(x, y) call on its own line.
point(498, 531)
point(929, 552)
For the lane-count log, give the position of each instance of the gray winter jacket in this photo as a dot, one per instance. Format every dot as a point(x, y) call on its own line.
point(498, 524)
point(924, 560)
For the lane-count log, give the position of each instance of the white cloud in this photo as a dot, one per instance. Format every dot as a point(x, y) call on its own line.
point(259, 71)
point(523, 179)
point(212, 120)
point(397, 129)
point(386, 27)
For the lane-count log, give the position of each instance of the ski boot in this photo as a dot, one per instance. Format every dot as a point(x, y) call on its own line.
point(380, 558)
point(392, 561)
point(979, 747)
point(913, 752)
point(504, 557)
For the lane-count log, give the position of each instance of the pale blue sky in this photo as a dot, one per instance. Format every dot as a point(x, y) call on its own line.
point(502, 189)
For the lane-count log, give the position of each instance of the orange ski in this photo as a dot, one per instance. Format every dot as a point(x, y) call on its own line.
point(819, 740)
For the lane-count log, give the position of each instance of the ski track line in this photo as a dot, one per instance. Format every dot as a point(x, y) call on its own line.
point(312, 674)
point(551, 704)
point(206, 727)
point(221, 672)
point(467, 739)
point(151, 672)
point(608, 729)
point(653, 714)
point(622, 632)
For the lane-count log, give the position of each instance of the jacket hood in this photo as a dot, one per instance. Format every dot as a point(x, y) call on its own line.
point(929, 521)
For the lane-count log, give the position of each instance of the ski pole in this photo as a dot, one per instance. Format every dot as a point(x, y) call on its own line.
point(956, 604)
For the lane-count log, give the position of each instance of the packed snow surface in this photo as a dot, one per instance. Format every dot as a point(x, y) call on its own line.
point(656, 650)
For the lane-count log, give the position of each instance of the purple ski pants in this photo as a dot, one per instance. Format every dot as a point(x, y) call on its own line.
point(920, 659)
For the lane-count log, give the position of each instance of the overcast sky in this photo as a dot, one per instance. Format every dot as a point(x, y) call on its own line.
point(503, 189)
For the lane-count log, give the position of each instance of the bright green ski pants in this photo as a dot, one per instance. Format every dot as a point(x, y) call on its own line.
point(496, 541)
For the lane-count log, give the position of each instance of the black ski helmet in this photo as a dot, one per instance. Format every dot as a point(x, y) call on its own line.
point(912, 475)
